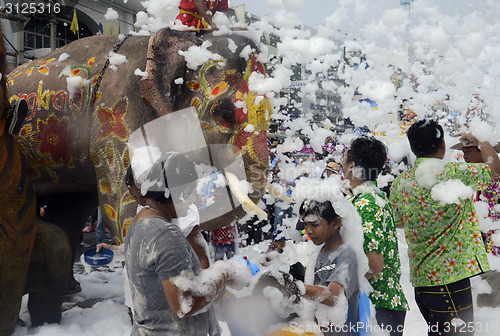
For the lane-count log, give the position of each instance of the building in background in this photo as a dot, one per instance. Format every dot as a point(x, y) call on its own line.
point(34, 28)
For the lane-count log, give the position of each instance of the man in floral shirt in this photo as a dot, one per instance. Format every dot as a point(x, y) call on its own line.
point(433, 201)
point(362, 163)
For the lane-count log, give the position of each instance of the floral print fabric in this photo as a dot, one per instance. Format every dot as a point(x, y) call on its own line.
point(380, 236)
point(492, 196)
point(444, 239)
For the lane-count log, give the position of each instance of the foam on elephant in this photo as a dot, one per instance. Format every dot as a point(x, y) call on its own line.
point(86, 99)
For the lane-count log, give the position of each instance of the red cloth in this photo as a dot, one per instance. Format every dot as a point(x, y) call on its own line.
point(194, 21)
point(225, 235)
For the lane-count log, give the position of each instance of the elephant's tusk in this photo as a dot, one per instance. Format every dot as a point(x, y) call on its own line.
point(276, 193)
point(233, 183)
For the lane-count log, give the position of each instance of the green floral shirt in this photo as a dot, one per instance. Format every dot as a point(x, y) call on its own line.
point(380, 236)
point(443, 235)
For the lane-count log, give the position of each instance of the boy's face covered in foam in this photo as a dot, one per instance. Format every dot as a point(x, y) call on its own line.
point(319, 229)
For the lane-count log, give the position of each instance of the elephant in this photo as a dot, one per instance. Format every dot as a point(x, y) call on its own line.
point(86, 99)
point(35, 256)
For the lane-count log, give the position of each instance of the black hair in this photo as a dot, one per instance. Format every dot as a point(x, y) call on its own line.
point(425, 137)
point(324, 210)
point(169, 171)
point(129, 177)
point(369, 154)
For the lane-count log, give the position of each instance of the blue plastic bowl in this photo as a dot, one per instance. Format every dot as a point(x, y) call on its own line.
point(101, 258)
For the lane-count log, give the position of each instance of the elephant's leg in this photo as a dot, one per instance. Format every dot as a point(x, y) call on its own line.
point(70, 211)
point(13, 274)
point(18, 226)
point(49, 272)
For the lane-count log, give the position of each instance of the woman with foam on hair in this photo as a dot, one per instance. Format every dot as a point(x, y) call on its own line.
point(170, 292)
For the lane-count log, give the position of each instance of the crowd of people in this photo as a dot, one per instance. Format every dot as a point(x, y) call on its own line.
point(176, 276)
point(175, 284)
point(182, 281)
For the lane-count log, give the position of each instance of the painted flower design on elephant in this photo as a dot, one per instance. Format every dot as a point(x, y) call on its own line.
point(76, 70)
point(16, 72)
point(30, 66)
point(112, 121)
point(56, 138)
point(41, 67)
point(113, 127)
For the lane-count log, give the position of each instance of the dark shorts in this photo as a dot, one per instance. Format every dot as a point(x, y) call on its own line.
point(392, 321)
point(221, 250)
point(444, 306)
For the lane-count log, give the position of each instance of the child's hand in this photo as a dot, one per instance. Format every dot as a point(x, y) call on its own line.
point(239, 274)
point(100, 246)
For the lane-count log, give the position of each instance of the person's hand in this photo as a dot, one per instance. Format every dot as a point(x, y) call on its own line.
point(100, 246)
point(238, 273)
point(468, 139)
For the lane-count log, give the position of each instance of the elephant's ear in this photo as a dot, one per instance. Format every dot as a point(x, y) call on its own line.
point(164, 65)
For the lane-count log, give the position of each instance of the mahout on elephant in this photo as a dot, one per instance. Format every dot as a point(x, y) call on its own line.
point(34, 255)
point(86, 99)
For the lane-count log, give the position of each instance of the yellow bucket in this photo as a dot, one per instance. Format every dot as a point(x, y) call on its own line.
point(288, 332)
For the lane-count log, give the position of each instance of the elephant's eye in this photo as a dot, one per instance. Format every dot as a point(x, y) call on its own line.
point(223, 113)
